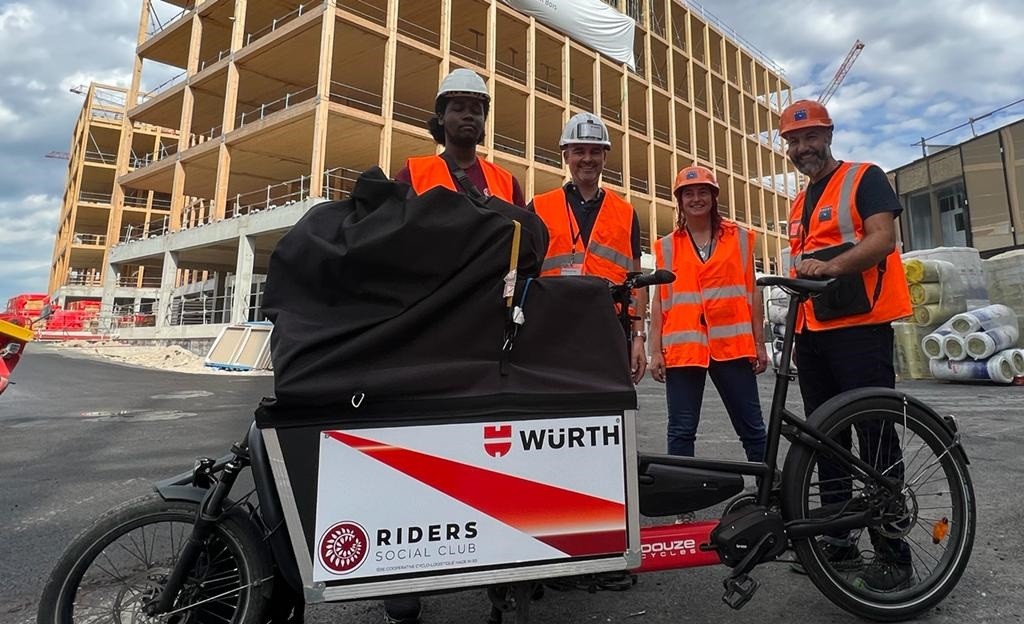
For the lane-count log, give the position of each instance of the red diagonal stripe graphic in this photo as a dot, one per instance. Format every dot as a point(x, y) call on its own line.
point(575, 523)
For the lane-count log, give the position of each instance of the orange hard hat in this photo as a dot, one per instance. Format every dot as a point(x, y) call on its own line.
point(690, 176)
point(804, 114)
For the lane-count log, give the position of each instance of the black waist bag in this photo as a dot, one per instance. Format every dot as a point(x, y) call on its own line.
point(848, 295)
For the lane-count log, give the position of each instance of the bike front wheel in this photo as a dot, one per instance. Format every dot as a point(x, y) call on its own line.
point(115, 568)
point(918, 543)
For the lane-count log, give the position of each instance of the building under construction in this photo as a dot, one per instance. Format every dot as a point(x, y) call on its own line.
point(84, 233)
point(277, 105)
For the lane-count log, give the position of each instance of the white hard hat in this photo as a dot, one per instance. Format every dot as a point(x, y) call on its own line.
point(463, 82)
point(585, 128)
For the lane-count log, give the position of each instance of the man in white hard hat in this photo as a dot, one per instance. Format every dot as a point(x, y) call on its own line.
point(460, 111)
point(593, 231)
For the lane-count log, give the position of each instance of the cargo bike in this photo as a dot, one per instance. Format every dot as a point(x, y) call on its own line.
point(506, 463)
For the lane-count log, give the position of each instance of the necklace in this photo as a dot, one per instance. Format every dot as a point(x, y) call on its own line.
point(702, 250)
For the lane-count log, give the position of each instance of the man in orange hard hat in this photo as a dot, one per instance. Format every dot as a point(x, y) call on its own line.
point(842, 226)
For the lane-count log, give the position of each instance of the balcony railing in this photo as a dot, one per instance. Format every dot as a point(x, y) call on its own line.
point(354, 97)
point(661, 135)
point(510, 71)
point(160, 88)
point(663, 191)
point(85, 238)
point(103, 158)
point(267, 108)
point(419, 33)
point(611, 114)
point(156, 24)
point(583, 101)
point(612, 176)
point(279, 21)
point(93, 197)
point(411, 114)
point(339, 182)
point(547, 157)
point(548, 88)
point(135, 201)
point(509, 145)
point(370, 11)
point(133, 281)
point(469, 54)
point(213, 59)
point(639, 125)
point(102, 114)
point(639, 184)
point(83, 277)
point(166, 149)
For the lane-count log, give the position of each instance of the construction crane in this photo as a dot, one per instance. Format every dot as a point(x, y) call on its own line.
point(844, 69)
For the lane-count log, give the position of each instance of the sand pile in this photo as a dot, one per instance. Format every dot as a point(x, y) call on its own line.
point(171, 357)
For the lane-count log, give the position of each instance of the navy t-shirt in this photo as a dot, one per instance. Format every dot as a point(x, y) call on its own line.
point(874, 194)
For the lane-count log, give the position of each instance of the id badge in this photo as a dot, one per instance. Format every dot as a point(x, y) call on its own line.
point(572, 269)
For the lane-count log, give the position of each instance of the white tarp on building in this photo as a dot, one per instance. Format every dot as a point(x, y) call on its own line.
point(590, 22)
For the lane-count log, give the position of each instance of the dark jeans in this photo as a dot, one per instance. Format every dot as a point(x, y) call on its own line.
point(736, 384)
point(834, 361)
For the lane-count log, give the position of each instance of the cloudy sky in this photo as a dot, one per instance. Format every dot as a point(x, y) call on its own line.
point(928, 66)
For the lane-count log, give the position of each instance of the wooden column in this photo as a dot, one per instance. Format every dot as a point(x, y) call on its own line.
point(321, 120)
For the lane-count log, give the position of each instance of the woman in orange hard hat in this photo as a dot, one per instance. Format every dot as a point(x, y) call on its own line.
point(709, 320)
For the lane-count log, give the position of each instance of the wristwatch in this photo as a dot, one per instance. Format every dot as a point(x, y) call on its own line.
point(642, 335)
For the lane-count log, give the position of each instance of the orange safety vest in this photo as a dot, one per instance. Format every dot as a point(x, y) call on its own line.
point(609, 253)
point(426, 172)
point(706, 313)
point(836, 221)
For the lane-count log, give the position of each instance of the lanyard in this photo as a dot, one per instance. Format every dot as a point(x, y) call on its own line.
point(575, 234)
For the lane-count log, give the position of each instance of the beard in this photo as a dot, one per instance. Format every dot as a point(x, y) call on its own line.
point(812, 163)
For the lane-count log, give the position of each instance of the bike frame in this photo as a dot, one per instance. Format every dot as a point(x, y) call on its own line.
point(784, 423)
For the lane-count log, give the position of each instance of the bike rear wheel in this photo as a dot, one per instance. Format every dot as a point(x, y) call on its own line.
point(921, 542)
point(115, 567)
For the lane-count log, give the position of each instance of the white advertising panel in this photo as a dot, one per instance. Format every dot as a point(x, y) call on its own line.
point(452, 497)
point(590, 22)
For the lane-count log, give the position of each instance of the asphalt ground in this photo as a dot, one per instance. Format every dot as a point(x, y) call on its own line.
point(79, 436)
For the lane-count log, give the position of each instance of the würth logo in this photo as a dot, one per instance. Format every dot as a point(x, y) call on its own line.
point(343, 547)
point(497, 440)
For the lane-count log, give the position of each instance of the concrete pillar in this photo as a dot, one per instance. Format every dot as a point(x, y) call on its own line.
point(243, 279)
point(110, 280)
point(167, 283)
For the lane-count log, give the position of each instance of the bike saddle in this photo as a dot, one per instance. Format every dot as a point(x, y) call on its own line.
point(799, 286)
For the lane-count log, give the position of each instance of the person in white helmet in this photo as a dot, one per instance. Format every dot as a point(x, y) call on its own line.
point(591, 230)
point(460, 111)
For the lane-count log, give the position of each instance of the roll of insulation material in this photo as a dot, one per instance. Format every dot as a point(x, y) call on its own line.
point(988, 317)
point(917, 271)
point(970, 370)
point(981, 345)
point(935, 313)
point(911, 361)
point(929, 292)
point(954, 348)
point(1017, 361)
point(932, 343)
point(1000, 370)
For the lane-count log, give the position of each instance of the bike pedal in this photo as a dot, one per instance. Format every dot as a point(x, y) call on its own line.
point(739, 590)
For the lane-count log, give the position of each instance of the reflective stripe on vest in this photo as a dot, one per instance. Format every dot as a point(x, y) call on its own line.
point(844, 225)
point(702, 314)
point(426, 172)
point(608, 253)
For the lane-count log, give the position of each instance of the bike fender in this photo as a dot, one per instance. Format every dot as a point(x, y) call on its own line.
point(173, 492)
point(851, 396)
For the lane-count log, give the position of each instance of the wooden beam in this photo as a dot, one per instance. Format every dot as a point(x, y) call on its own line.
point(321, 120)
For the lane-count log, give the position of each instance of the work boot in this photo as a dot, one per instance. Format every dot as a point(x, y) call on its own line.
point(841, 558)
point(890, 570)
point(402, 610)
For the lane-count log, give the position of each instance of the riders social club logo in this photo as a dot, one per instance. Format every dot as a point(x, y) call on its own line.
point(343, 547)
point(499, 439)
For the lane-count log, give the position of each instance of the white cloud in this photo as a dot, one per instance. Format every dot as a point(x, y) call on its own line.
point(15, 17)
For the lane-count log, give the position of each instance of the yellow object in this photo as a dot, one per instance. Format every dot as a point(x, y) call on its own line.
point(928, 292)
point(17, 332)
point(917, 271)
